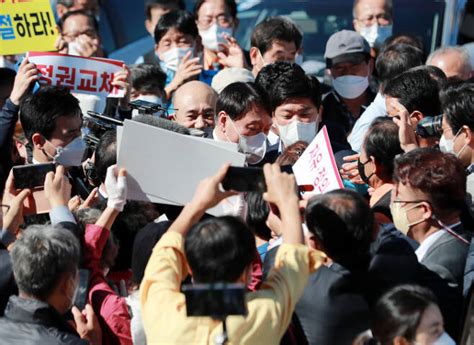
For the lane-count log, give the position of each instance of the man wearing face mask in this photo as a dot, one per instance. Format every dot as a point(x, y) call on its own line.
point(148, 84)
point(178, 47)
point(217, 22)
point(348, 59)
point(275, 39)
point(373, 20)
point(52, 122)
point(429, 193)
point(296, 106)
point(457, 102)
point(243, 117)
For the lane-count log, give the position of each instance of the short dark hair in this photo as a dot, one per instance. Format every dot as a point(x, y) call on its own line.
point(39, 111)
point(275, 29)
point(41, 256)
point(174, 4)
point(182, 21)
point(230, 4)
point(257, 215)
point(382, 142)
point(219, 249)
point(294, 83)
point(271, 72)
point(396, 59)
point(457, 101)
point(342, 223)
point(238, 98)
point(147, 77)
point(92, 20)
point(415, 90)
point(399, 312)
point(105, 153)
point(439, 175)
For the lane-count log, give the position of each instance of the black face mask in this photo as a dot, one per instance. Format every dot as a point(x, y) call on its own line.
point(360, 167)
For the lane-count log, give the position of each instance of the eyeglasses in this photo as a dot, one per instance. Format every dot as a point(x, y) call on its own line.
point(410, 201)
point(72, 36)
point(223, 20)
point(381, 18)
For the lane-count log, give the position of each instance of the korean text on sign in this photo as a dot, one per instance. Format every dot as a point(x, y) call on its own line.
point(26, 25)
point(79, 74)
point(317, 166)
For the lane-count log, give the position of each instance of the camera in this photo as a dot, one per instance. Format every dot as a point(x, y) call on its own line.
point(97, 124)
point(430, 126)
point(148, 108)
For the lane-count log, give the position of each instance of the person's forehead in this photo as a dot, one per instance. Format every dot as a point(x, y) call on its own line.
point(174, 35)
point(195, 100)
point(431, 316)
point(370, 7)
point(296, 104)
point(254, 114)
point(213, 8)
point(77, 23)
point(282, 46)
point(86, 4)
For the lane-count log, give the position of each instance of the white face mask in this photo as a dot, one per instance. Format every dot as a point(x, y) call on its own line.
point(254, 147)
point(350, 86)
point(376, 34)
point(172, 58)
point(298, 59)
point(71, 155)
point(296, 131)
point(444, 339)
point(149, 98)
point(213, 36)
point(447, 145)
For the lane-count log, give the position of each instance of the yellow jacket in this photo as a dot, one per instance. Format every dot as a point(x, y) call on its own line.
point(269, 309)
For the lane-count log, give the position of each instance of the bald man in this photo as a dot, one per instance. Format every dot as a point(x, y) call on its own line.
point(453, 61)
point(195, 105)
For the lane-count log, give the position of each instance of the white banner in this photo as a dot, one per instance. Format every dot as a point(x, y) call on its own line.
point(317, 166)
point(91, 76)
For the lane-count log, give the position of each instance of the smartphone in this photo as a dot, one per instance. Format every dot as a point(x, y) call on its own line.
point(31, 176)
point(248, 179)
point(82, 289)
point(215, 300)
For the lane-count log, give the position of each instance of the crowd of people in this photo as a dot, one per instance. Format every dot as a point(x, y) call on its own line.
point(387, 260)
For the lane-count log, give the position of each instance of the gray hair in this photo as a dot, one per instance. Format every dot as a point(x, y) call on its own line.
point(463, 56)
point(41, 256)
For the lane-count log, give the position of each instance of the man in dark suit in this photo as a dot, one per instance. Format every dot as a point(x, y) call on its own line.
point(334, 308)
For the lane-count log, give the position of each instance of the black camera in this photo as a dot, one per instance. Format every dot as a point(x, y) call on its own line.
point(430, 126)
point(148, 108)
point(97, 124)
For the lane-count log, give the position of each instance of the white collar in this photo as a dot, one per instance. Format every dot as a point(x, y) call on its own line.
point(427, 243)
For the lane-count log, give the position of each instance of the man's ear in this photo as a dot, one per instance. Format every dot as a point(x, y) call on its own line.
point(253, 55)
point(416, 116)
point(37, 141)
point(221, 121)
point(469, 135)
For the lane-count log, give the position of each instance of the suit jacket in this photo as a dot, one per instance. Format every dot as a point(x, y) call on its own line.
point(447, 257)
point(333, 308)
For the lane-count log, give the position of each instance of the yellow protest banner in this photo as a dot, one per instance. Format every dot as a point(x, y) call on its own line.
point(26, 25)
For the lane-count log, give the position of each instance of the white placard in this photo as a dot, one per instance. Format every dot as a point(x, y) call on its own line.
point(164, 166)
point(317, 166)
point(91, 76)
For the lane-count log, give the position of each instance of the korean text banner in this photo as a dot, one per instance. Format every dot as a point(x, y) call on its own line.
point(79, 74)
point(317, 166)
point(26, 25)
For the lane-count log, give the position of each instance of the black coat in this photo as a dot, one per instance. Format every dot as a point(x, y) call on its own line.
point(29, 321)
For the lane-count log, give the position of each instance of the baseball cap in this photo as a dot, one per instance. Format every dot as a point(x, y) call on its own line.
point(231, 75)
point(346, 46)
